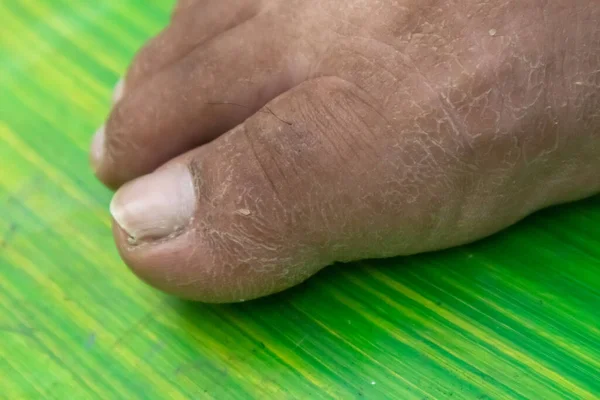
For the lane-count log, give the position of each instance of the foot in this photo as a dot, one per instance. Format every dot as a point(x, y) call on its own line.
point(258, 141)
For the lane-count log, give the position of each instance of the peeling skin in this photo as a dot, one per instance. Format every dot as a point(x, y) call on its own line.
point(325, 131)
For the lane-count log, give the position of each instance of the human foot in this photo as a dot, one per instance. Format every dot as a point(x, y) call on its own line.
point(293, 134)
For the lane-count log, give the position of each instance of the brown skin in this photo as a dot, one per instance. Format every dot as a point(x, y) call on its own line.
point(329, 130)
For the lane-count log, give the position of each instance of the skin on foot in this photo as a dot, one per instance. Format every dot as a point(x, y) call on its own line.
point(256, 142)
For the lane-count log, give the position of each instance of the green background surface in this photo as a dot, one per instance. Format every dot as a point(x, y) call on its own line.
point(513, 316)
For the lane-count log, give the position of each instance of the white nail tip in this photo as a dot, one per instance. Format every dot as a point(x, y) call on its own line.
point(97, 148)
point(119, 91)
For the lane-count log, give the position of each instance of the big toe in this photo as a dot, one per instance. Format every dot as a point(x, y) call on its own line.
point(218, 223)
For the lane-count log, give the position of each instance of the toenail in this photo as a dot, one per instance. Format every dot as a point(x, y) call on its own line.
point(156, 205)
point(97, 150)
point(118, 91)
